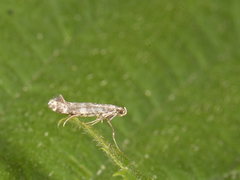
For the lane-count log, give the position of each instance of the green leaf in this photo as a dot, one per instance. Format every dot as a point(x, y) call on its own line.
point(174, 66)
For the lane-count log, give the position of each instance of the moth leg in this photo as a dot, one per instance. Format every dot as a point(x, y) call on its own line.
point(69, 119)
point(95, 121)
point(109, 118)
point(101, 117)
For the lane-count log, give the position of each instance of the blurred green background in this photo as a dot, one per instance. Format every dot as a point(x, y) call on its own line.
point(175, 66)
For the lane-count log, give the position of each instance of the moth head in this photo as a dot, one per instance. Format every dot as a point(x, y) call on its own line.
point(58, 105)
point(52, 104)
point(122, 111)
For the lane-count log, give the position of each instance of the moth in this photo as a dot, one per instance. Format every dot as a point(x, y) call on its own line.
point(87, 109)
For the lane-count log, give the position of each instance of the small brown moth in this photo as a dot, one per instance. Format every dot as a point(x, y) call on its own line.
point(74, 109)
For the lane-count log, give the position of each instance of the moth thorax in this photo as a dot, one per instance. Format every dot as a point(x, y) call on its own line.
point(62, 108)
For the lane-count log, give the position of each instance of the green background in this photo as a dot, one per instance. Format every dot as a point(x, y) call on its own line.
point(175, 66)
